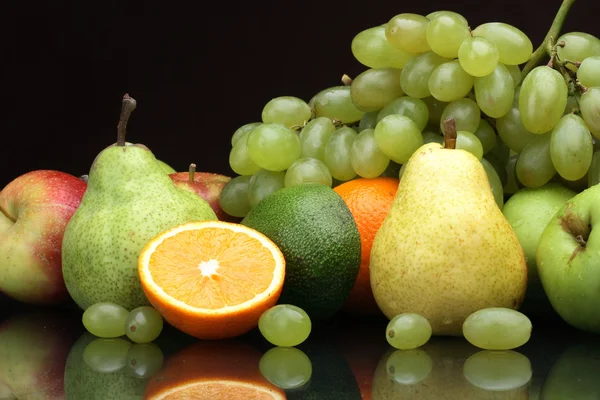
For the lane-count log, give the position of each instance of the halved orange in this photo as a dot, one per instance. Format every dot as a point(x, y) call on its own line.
point(225, 370)
point(212, 279)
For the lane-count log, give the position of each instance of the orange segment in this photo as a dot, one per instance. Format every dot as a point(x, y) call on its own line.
point(212, 279)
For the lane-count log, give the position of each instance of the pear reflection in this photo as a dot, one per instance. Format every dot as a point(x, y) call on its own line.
point(101, 368)
point(576, 372)
point(436, 371)
point(34, 345)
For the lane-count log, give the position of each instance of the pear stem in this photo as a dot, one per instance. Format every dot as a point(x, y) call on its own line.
point(346, 80)
point(7, 215)
point(192, 171)
point(127, 108)
point(546, 47)
point(450, 133)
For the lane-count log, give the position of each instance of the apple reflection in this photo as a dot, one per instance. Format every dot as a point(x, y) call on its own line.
point(451, 368)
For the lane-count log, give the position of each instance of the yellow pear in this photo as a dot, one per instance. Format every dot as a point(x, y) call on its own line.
point(445, 250)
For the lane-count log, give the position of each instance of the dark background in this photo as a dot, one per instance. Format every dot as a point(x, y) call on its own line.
point(198, 71)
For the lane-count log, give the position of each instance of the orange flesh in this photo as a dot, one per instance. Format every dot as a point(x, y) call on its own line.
point(219, 391)
point(177, 267)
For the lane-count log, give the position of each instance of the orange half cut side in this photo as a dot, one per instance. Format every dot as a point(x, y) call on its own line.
point(212, 279)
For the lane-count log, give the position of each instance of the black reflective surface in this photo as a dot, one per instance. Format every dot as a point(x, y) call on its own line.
point(46, 354)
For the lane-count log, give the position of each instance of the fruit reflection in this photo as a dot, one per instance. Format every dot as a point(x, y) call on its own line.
point(33, 350)
point(109, 368)
point(225, 369)
point(286, 367)
point(575, 373)
point(437, 371)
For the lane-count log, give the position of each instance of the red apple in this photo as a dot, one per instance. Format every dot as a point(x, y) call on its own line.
point(207, 185)
point(34, 211)
point(34, 346)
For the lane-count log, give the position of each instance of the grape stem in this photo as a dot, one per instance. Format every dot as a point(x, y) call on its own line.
point(547, 44)
point(450, 133)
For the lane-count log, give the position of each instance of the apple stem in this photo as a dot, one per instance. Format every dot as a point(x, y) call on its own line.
point(7, 215)
point(192, 171)
point(127, 108)
point(450, 133)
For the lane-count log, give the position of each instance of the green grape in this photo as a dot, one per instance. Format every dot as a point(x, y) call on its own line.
point(286, 110)
point(497, 328)
point(105, 319)
point(307, 170)
point(453, 14)
point(572, 105)
point(534, 166)
point(435, 109)
point(410, 107)
point(593, 177)
point(144, 360)
point(469, 142)
point(571, 147)
point(465, 112)
point(495, 182)
point(414, 78)
point(337, 154)
point(430, 137)
point(445, 33)
point(234, 197)
point(589, 105)
point(578, 46)
point(286, 367)
point(314, 136)
point(106, 355)
point(449, 82)
point(239, 159)
point(243, 130)
point(498, 165)
point(495, 92)
point(512, 132)
point(408, 367)
point(264, 183)
point(499, 371)
point(374, 88)
point(515, 74)
point(515, 102)
point(543, 99)
point(285, 325)
point(392, 170)
point(478, 56)
point(588, 73)
point(514, 47)
point(366, 157)
point(336, 103)
point(486, 135)
point(398, 137)
point(143, 324)
point(408, 331)
point(371, 48)
point(274, 146)
point(407, 32)
point(512, 183)
point(368, 121)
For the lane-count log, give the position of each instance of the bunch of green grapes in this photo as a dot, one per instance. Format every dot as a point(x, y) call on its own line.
point(422, 70)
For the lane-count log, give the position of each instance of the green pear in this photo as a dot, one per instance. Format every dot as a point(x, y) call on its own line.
point(166, 167)
point(528, 211)
point(129, 200)
point(567, 260)
point(445, 250)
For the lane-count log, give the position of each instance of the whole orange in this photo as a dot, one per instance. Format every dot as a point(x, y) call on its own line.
point(369, 201)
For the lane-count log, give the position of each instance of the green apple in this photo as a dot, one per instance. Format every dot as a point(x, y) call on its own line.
point(528, 212)
point(568, 264)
